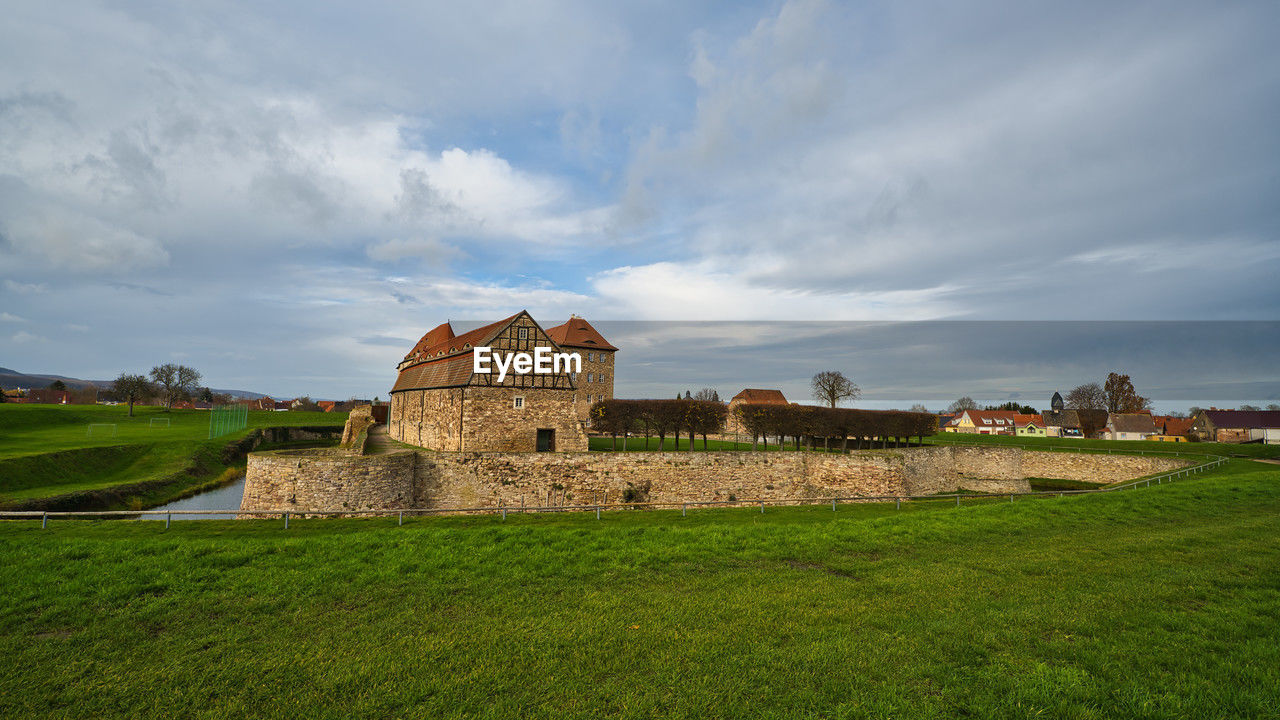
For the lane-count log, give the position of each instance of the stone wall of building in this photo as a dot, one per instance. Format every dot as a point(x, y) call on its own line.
point(298, 480)
point(427, 418)
point(492, 421)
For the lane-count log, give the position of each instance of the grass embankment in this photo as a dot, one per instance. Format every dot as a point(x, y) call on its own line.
point(1252, 450)
point(47, 451)
point(1128, 446)
point(1152, 603)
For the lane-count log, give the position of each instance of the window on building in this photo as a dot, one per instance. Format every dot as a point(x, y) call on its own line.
point(523, 333)
point(601, 376)
point(591, 357)
point(518, 402)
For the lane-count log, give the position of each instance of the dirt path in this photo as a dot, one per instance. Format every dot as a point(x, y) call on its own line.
point(379, 442)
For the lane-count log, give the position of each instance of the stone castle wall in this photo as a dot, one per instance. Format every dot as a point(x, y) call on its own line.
point(298, 481)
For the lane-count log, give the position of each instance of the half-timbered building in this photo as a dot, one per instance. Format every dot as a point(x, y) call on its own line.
point(440, 402)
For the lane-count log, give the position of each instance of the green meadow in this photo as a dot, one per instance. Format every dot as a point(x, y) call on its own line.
point(50, 450)
point(1160, 602)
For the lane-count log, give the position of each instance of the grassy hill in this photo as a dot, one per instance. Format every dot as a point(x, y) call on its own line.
point(1154, 603)
point(48, 450)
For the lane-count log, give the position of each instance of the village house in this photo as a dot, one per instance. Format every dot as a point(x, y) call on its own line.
point(441, 402)
point(1170, 428)
point(1028, 425)
point(1237, 426)
point(984, 422)
point(1130, 426)
point(750, 396)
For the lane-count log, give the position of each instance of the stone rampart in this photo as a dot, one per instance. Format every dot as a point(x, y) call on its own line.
point(300, 480)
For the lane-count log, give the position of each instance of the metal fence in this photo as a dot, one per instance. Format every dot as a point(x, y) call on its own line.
point(597, 508)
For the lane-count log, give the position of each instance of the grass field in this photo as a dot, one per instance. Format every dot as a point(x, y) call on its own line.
point(1152, 603)
point(46, 450)
point(1134, 446)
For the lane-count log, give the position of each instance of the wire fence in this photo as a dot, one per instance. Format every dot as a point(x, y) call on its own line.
point(598, 508)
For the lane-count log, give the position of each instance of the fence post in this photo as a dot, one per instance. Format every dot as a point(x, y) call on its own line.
point(897, 503)
point(761, 507)
point(504, 513)
point(44, 521)
point(833, 504)
point(400, 520)
point(684, 510)
point(167, 520)
point(286, 521)
point(597, 512)
point(957, 501)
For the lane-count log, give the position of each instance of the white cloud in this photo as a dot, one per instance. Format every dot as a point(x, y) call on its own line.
point(721, 289)
point(10, 317)
point(22, 337)
point(25, 288)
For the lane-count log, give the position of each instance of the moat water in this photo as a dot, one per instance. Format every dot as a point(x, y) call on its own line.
point(224, 498)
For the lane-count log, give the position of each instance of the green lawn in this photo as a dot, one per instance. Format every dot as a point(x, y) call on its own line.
point(1135, 446)
point(46, 450)
point(1150, 603)
point(1132, 446)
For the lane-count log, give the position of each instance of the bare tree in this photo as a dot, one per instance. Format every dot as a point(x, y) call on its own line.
point(132, 388)
point(919, 408)
point(1089, 396)
point(831, 386)
point(174, 381)
point(964, 403)
point(1274, 407)
point(1250, 407)
point(707, 395)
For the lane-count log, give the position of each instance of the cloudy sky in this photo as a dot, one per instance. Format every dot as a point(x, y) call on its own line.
point(287, 195)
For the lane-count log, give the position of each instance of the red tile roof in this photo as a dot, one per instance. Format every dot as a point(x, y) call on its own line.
point(444, 372)
point(767, 397)
point(1024, 420)
point(580, 334)
point(992, 418)
point(1173, 425)
point(441, 341)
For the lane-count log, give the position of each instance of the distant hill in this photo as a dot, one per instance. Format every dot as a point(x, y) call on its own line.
point(10, 379)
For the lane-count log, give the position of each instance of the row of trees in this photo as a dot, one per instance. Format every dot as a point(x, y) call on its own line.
point(659, 417)
point(830, 423)
point(706, 417)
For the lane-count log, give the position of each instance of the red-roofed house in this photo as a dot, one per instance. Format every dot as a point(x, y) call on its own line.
point(1028, 425)
point(985, 422)
point(1171, 429)
point(750, 396)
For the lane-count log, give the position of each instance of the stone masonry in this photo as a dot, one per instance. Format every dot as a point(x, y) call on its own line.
point(304, 480)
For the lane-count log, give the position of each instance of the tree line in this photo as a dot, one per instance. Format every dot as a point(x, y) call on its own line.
point(799, 422)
